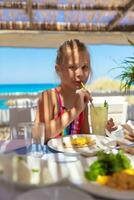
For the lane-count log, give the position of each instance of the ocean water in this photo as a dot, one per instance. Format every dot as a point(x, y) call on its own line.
point(21, 88)
point(25, 88)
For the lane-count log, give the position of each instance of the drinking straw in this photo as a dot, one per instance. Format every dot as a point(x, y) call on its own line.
point(83, 86)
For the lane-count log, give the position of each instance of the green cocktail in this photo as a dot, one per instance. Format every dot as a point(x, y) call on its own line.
point(99, 117)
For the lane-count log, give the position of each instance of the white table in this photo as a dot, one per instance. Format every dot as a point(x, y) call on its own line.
point(11, 193)
point(75, 168)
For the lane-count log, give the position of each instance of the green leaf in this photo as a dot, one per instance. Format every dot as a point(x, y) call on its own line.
point(107, 164)
point(127, 75)
point(130, 41)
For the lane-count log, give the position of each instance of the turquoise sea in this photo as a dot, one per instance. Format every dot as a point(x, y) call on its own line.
point(22, 89)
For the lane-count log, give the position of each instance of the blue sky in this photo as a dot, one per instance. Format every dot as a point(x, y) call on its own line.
point(25, 65)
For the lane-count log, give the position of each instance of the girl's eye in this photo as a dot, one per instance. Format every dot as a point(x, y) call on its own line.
point(71, 67)
point(85, 67)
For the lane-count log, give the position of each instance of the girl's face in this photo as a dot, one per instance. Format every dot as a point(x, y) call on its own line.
point(74, 69)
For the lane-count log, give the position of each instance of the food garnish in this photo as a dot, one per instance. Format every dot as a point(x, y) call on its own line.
point(79, 142)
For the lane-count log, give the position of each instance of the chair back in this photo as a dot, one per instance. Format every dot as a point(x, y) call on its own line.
point(19, 115)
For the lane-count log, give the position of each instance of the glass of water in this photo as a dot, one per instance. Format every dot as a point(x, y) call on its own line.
point(34, 135)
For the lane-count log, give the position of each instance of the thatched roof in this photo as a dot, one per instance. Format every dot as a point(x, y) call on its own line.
point(61, 17)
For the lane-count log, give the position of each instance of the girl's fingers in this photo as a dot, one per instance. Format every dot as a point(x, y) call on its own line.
point(129, 150)
point(87, 96)
point(86, 99)
point(110, 123)
point(129, 137)
point(90, 97)
point(114, 128)
point(110, 126)
point(127, 127)
point(129, 132)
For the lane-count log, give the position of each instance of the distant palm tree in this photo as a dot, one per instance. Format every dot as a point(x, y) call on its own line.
point(127, 75)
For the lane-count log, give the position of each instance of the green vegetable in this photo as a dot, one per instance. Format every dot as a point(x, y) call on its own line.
point(97, 168)
point(107, 164)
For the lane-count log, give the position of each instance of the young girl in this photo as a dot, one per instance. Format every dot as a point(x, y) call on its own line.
point(64, 109)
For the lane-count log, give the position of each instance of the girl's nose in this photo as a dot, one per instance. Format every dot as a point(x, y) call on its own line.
point(79, 72)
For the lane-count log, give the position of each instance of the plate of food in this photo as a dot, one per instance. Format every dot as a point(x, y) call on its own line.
point(109, 176)
point(30, 172)
point(79, 144)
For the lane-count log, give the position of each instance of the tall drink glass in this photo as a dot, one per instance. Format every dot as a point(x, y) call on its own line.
point(34, 135)
point(99, 117)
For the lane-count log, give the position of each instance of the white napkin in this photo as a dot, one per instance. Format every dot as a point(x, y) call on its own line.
point(118, 135)
point(131, 123)
point(10, 145)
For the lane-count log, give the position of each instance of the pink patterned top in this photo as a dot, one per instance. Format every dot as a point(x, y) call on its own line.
point(75, 126)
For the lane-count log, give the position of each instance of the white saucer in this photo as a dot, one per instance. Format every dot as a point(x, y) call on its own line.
point(57, 193)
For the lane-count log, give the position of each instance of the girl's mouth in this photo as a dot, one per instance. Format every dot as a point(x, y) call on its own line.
point(78, 83)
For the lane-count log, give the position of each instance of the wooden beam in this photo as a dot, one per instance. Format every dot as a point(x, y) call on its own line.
point(120, 14)
point(63, 6)
point(29, 12)
point(88, 8)
point(52, 39)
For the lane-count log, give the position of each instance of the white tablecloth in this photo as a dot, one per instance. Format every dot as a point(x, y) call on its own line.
point(9, 192)
point(75, 168)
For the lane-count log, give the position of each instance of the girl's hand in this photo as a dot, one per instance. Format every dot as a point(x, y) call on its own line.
point(129, 132)
point(110, 126)
point(129, 150)
point(129, 136)
point(126, 148)
point(82, 99)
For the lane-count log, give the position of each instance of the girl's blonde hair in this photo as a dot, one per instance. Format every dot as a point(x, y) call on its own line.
point(62, 51)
